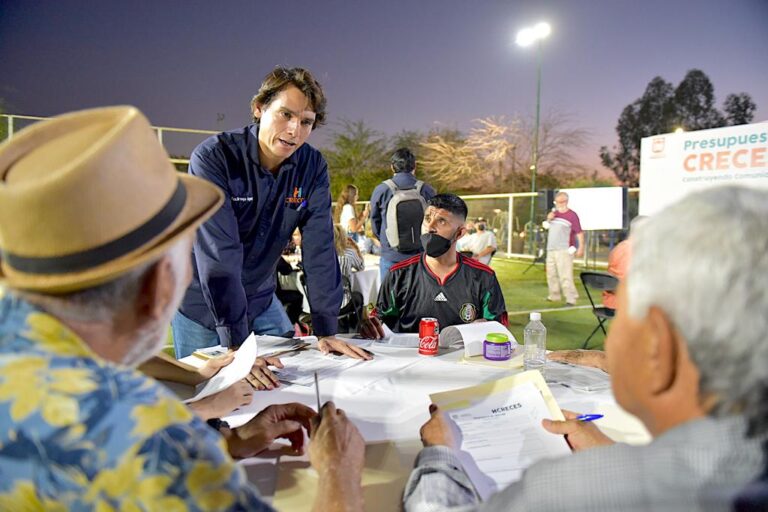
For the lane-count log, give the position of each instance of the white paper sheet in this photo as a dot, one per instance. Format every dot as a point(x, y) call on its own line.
point(395, 339)
point(235, 371)
point(300, 367)
point(268, 345)
point(501, 435)
point(580, 378)
point(473, 336)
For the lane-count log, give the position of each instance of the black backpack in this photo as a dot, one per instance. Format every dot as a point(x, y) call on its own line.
point(405, 214)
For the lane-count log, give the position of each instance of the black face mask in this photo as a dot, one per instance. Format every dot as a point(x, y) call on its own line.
point(435, 245)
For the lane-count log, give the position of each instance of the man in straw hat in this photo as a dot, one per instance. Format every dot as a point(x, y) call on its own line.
point(273, 182)
point(96, 230)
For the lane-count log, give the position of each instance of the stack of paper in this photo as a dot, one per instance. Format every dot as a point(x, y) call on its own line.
point(500, 428)
point(395, 339)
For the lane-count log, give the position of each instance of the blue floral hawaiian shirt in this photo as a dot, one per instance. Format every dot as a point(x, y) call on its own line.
point(80, 433)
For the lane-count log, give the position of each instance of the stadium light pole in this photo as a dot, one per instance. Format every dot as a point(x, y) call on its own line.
point(527, 37)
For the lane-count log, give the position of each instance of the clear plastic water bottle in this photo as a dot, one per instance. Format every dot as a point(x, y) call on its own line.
point(535, 337)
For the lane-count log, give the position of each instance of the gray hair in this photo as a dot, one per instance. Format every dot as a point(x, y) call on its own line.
point(704, 262)
point(103, 302)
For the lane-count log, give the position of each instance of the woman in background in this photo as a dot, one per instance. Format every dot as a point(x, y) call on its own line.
point(348, 217)
point(349, 255)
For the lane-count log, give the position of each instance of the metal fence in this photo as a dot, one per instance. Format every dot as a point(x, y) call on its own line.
point(179, 142)
point(506, 214)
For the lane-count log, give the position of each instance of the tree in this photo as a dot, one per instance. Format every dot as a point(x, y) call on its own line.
point(663, 108)
point(558, 138)
point(654, 112)
point(739, 109)
point(407, 139)
point(496, 155)
point(358, 155)
point(695, 103)
point(495, 142)
point(449, 164)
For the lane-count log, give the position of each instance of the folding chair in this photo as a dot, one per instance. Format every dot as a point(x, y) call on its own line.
point(603, 282)
point(351, 309)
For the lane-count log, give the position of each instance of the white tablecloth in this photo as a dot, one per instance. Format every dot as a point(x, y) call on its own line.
point(367, 282)
point(388, 399)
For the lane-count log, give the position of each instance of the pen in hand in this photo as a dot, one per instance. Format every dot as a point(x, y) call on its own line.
point(583, 417)
point(317, 394)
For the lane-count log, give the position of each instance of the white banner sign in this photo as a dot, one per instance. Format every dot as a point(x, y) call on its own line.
point(675, 164)
point(598, 207)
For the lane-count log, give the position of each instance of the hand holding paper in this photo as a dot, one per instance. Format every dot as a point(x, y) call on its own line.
point(439, 430)
point(236, 371)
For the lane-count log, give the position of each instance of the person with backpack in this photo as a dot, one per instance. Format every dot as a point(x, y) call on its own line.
point(397, 211)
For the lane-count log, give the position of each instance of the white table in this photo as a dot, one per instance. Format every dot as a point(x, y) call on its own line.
point(367, 282)
point(391, 404)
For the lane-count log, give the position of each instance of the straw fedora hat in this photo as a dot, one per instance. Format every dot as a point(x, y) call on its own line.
point(87, 196)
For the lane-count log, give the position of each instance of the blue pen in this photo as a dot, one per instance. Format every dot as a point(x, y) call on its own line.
point(302, 205)
point(589, 417)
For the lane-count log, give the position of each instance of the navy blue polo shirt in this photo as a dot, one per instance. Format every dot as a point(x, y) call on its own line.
point(379, 202)
point(237, 250)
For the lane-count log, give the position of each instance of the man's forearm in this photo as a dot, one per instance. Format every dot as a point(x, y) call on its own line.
point(438, 482)
point(485, 252)
point(338, 490)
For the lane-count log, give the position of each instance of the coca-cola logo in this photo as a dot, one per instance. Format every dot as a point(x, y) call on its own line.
point(428, 343)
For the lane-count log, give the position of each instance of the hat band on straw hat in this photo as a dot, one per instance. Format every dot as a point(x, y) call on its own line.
point(104, 253)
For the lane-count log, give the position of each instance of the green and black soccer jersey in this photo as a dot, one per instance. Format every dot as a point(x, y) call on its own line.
point(411, 291)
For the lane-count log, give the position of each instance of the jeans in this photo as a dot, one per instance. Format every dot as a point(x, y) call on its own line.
point(189, 335)
point(384, 266)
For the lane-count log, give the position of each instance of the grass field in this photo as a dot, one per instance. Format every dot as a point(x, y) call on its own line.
point(566, 327)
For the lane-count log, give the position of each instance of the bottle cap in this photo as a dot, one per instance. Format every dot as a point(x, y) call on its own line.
point(535, 315)
point(496, 337)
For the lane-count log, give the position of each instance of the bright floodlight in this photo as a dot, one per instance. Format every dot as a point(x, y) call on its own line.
point(542, 30)
point(679, 129)
point(530, 35)
point(525, 37)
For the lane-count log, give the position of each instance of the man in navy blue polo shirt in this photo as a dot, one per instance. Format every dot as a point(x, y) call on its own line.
point(273, 183)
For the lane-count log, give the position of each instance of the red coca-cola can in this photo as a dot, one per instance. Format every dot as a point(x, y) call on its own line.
point(429, 331)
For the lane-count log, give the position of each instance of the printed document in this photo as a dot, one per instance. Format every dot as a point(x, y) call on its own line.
point(235, 371)
point(396, 339)
point(499, 427)
point(300, 367)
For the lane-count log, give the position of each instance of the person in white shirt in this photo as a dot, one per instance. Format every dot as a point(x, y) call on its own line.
point(348, 217)
point(483, 243)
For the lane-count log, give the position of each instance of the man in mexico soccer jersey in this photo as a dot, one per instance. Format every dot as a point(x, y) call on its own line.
point(439, 283)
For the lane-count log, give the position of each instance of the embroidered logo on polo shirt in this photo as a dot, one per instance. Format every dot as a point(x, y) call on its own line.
point(441, 297)
point(297, 197)
point(468, 312)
